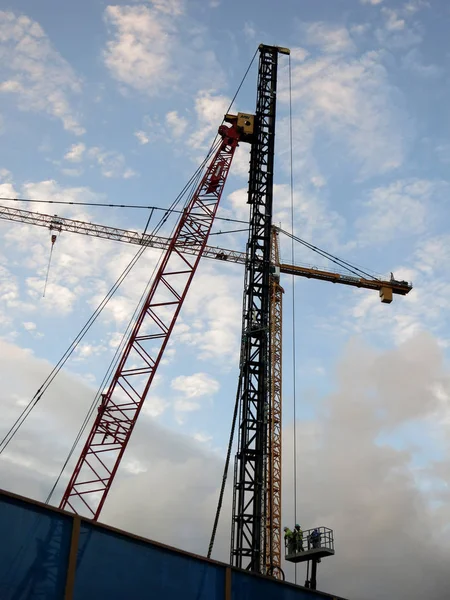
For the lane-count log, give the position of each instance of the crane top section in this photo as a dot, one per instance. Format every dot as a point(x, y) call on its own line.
point(280, 49)
point(245, 125)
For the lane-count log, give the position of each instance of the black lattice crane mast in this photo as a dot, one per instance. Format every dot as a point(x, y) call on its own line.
point(249, 530)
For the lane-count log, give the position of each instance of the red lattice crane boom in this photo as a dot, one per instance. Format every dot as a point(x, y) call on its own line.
point(121, 404)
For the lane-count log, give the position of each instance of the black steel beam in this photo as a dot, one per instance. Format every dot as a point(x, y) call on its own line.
point(248, 521)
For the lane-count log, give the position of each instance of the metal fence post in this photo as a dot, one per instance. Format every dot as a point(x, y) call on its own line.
point(228, 583)
point(72, 562)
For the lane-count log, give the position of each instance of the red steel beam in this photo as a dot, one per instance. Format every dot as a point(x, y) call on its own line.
point(122, 403)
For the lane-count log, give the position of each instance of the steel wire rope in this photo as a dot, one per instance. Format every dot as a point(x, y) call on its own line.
point(48, 269)
point(338, 261)
point(225, 471)
point(236, 413)
point(294, 378)
point(38, 395)
point(103, 205)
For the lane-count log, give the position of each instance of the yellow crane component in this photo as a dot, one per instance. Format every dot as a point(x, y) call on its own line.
point(385, 288)
point(273, 465)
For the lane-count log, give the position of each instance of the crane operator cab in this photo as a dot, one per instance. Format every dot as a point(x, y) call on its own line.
point(312, 544)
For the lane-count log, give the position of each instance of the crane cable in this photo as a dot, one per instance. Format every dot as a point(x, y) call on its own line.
point(48, 269)
point(294, 378)
point(108, 205)
point(225, 471)
point(39, 393)
point(124, 337)
point(338, 261)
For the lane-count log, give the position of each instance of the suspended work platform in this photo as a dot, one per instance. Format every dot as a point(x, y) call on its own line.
point(315, 544)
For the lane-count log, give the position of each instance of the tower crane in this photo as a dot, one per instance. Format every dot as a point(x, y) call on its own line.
point(256, 520)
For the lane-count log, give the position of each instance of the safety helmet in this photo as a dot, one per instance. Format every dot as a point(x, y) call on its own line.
point(297, 526)
point(285, 529)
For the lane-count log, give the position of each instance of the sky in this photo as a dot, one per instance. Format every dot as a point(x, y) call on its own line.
point(118, 104)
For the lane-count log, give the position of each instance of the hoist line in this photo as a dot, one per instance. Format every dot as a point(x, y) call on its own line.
point(39, 393)
point(224, 232)
point(294, 377)
point(225, 471)
point(48, 269)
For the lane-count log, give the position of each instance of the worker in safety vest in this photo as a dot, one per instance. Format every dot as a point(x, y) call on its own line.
point(298, 538)
point(289, 540)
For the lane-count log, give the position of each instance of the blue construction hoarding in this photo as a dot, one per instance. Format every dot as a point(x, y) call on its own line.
point(48, 554)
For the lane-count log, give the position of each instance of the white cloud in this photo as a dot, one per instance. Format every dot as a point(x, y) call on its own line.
point(176, 123)
point(393, 21)
point(211, 315)
point(373, 2)
point(400, 209)
point(360, 28)
point(183, 405)
point(29, 326)
point(154, 406)
point(139, 53)
point(142, 137)
point(202, 438)
point(351, 101)
point(40, 78)
point(111, 163)
point(413, 61)
point(410, 8)
point(210, 108)
point(397, 32)
point(249, 30)
point(330, 38)
point(313, 216)
point(84, 350)
point(75, 152)
point(196, 385)
point(169, 7)
point(72, 172)
point(299, 54)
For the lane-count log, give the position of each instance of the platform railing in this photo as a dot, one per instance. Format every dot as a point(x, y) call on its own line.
point(315, 541)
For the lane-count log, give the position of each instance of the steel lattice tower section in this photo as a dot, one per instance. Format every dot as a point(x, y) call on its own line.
point(273, 491)
point(121, 404)
point(248, 536)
